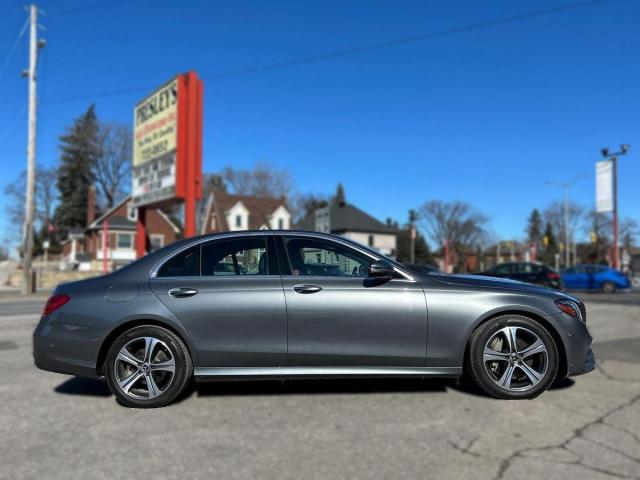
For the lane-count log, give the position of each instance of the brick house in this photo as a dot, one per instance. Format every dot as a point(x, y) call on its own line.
point(83, 248)
point(226, 212)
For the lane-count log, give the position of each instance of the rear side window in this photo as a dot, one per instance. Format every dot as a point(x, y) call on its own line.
point(240, 256)
point(184, 264)
point(504, 269)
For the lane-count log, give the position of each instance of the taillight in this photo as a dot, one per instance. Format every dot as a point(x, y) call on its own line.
point(553, 276)
point(54, 303)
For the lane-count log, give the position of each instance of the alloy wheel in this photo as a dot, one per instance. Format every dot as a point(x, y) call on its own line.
point(144, 368)
point(515, 358)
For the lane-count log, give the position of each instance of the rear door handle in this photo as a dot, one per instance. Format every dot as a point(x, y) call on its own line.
point(307, 288)
point(182, 292)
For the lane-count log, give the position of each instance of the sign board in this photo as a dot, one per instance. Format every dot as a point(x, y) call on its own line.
point(604, 186)
point(167, 146)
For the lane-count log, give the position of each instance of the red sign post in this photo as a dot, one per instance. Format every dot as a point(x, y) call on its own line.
point(168, 152)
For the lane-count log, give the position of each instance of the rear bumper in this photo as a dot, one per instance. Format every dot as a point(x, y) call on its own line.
point(68, 349)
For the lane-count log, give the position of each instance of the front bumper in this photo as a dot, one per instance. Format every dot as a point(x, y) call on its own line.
point(68, 349)
point(588, 366)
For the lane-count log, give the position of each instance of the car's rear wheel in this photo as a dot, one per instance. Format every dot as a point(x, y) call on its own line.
point(609, 287)
point(513, 357)
point(148, 366)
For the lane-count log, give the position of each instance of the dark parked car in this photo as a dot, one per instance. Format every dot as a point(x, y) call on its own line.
point(302, 304)
point(595, 277)
point(529, 272)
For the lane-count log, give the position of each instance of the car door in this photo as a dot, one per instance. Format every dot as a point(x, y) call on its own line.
point(338, 316)
point(228, 295)
point(575, 277)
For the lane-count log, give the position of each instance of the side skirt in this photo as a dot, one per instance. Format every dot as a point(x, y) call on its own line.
point(207, 374)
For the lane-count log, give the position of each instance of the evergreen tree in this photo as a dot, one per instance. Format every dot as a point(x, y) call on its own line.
point(534, 227)
point(79, 149)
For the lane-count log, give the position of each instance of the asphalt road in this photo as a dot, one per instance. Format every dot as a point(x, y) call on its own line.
point(54, 426)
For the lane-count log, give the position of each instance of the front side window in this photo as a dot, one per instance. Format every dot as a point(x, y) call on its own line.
point(312, 257)
point(184, 264)
point(240, 256)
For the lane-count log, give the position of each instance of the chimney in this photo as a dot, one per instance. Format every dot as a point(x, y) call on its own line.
point(91, 205)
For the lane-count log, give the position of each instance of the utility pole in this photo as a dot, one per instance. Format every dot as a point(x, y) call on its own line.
point(412, 224)
point(567, 249)
point(614, 168)
point(27, 250)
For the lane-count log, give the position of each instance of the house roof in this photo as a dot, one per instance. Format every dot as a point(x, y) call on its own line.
point(260, 209)
point(347, 218)
point(124, 222)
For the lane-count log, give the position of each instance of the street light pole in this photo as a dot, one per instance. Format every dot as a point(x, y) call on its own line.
point(412, 224)
point(566, 226)
point(567, 236)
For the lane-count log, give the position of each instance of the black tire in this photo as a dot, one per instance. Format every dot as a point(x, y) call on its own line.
point(488, 381)
point(170, 385)
point(609, 287)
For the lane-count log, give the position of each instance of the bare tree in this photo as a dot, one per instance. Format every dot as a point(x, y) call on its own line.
point(112, 167)
point(456, 223)
point(598, 229)
point(555, 215)
point(301, 204)
point(46, 198)
point(629, 232)
point(264, 180)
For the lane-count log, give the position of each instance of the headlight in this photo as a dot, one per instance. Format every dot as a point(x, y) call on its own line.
point(570, 308)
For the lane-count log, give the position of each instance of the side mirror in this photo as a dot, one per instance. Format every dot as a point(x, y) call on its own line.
point(381, 270)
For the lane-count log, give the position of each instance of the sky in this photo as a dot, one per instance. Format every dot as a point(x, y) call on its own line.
point(488, 115)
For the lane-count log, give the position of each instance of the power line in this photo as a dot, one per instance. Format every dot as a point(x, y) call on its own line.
point(88, 7)
point(350, 51)
point(13, 48)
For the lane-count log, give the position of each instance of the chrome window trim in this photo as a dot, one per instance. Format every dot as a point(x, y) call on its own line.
point(153, 273)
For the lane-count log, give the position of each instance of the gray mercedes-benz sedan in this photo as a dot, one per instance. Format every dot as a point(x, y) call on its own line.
point(287, 304)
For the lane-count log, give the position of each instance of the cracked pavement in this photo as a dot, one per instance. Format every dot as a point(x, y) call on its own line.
point(588, 427)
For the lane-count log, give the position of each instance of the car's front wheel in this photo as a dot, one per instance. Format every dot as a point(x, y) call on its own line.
point(148, 366)
point(513, 357)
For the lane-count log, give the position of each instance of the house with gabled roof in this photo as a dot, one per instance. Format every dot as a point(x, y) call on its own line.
point(226, 212)
point(83, 248)
point(342, 218)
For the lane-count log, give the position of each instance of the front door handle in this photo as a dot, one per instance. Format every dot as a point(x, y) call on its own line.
point(307, 288)
point(182, 292)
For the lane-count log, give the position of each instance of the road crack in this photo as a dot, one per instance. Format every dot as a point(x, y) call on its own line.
point(577, 433)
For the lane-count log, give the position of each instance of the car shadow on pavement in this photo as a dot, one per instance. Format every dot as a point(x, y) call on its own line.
point(470, 388)
point(321, 386)
point(83, 386)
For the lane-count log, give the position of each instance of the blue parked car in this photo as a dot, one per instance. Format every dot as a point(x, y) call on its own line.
point(594, 277)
